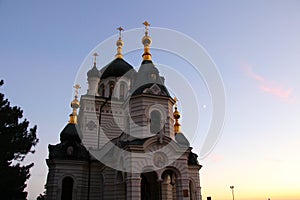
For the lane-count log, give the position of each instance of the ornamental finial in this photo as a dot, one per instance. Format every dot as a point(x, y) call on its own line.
point(119, 43)
point(175, 99)
point(75, 105)
point(146, 27)
point(95, 59)
point(176, 114)
point(77, 87)
point(146, 40)
point(120, 32)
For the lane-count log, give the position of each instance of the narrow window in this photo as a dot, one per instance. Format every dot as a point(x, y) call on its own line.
point(102, 90)
point(192, 190)
point(155, 125)
point(111, 89)
point(67, 188)
point(122, 90)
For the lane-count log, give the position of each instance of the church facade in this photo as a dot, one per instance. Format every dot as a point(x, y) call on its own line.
point(126, 141)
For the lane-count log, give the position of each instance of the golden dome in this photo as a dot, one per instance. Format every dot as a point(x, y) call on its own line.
point(75, 104)
point(176, 113)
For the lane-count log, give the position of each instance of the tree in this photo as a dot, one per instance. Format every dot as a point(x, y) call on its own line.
point(41, 197)
point(16, 141)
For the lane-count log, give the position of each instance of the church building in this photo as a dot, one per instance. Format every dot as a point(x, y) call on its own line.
point(126, 140)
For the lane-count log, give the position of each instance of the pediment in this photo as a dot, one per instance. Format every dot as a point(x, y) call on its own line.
point(154, 89)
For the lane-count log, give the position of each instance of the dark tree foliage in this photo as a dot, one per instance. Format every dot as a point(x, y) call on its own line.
point(16, 141)
point(41, 197)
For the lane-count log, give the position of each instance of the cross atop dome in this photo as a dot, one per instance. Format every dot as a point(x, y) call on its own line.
point(120, 32)
point(95, 60)
point(77, 86)
point(176, 100)
point(146, 40)
point(119, 43)
point(146, 27)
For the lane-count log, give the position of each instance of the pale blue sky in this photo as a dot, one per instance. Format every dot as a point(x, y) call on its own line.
point(255, 44)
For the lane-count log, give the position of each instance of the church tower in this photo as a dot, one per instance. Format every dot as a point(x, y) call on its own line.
point(127, 143)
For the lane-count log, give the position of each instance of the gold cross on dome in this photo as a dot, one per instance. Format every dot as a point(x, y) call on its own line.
point(77, 87)
point(146, 26)
point(176, 100)
point(120, 31)
point(95, 57)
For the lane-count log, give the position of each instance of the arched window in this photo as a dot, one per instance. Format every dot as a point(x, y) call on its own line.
point(67, 188)
point(192, 190)
point(155, 123)
point(150, 187)
point(102, 90)
point(120, 186)
point(111, 88)
point(122, 90)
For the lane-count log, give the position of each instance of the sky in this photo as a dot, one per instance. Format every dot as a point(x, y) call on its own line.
point(255, 46)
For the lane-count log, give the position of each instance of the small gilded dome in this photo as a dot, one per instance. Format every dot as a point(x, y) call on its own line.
point(146, 40)
point(75, 104)
point(176, 114)
point(94, 72)
point(120, 43)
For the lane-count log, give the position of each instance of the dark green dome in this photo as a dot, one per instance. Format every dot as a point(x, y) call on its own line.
point(181, 140)
point(117, 68)
point(70, 147)
point(71, 132)
point(148, 67)
point(146, 78)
